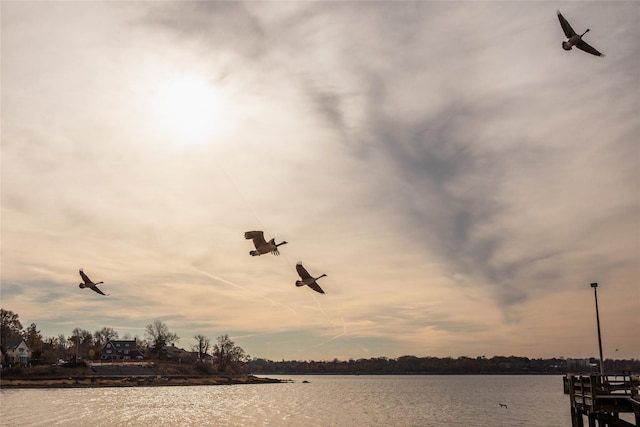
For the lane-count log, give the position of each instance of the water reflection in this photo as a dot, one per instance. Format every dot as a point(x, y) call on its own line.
point(324, 401)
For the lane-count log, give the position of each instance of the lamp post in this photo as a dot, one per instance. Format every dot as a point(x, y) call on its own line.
point(595, 293)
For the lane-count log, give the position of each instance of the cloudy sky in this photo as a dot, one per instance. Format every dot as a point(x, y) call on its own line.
point(459, 177)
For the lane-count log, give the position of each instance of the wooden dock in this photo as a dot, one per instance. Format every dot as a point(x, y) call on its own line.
point(602, 398)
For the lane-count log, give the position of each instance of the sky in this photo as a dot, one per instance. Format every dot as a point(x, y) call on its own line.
point(458, 176)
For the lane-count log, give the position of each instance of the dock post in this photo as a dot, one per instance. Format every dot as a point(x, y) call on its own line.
point(576, 418)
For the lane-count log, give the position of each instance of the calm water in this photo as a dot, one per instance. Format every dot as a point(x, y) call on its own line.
point(324, 401)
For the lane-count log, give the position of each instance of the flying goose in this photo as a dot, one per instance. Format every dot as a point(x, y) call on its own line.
point(307, 279)
point(262, 246)
point(89, 284)
point(575, 39)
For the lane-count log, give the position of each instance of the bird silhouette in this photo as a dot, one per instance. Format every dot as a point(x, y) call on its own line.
point(504, 405)
point(307, 279)
point(575, 39)
point(262, 246)
point(89, 284)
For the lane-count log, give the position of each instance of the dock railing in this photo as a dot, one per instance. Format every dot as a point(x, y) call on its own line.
point(603, 398)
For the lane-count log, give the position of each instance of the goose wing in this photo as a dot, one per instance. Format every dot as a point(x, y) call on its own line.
point(582, 45)
point(257, 237)
point(85, 278)
point(95, 288)
point(303, 273)
point(568, 31)
point(316, 287)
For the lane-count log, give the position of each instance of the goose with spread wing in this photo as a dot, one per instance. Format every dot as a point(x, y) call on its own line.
point(87, 283)
point(262, 246)
point(308, 279)
point(575, 39)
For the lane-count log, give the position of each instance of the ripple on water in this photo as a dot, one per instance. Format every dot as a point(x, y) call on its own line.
point(325, 401)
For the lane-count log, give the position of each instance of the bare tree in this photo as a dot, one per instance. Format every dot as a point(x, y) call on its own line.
point(62, 348)
point(82, 340)
point(49, 350)
point(202, 346)
point(158, 336)
point(228, 356)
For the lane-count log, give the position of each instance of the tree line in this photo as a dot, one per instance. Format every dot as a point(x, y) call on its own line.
point(82, 344)
point(226, 356)
point(444, 365)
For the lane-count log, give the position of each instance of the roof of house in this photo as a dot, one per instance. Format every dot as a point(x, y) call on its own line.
point(13, 343)
point(121, 343)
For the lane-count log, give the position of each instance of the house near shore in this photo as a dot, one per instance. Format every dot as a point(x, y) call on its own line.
point(18, 351)
point(121, 350)
point(173, 353)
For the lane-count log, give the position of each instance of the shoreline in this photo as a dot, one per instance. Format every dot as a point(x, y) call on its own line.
point(87, 381)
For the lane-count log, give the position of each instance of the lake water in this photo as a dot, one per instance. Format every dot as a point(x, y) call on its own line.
point(438, 400)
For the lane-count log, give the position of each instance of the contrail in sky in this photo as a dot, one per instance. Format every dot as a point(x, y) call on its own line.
point(220, 279)
point(344, 332)
point(244, 199)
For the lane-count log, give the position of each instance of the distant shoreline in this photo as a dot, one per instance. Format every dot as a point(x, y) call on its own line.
point(87, 381)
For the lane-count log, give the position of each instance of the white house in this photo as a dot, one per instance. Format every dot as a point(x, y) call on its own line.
point(18, 351)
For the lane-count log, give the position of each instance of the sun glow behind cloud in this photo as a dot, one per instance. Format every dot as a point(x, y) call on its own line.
point(188, 109)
